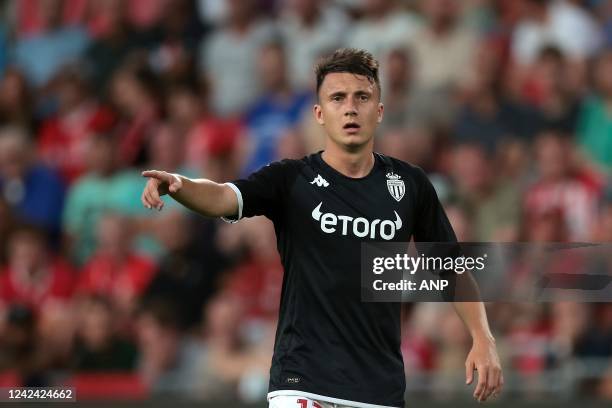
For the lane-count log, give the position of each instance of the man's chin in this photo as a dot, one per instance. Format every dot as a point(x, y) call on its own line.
point(353, 145)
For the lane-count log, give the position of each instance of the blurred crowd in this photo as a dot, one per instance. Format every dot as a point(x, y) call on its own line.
point(506, 104)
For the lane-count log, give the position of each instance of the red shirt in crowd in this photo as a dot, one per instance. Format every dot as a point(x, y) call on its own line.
point(258, 285)
point(103, 275)
point(212, 136)
point(62, 141)
point(57, 284)
point(575, 198)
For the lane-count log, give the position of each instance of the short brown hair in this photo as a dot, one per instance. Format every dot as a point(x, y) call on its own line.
point(351, 60)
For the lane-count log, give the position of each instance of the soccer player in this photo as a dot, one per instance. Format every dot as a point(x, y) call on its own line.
point(332, 349)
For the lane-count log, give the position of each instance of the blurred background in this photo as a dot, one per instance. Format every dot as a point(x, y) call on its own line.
point(506, 104)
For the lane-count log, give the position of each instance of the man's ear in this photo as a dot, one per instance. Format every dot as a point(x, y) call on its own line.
point(381, 109)
point(318, 114)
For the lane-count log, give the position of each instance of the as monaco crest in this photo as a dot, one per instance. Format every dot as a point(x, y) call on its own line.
point(396, 186)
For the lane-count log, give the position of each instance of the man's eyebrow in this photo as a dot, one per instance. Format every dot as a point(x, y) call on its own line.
point(337, 93)
point(344, 93)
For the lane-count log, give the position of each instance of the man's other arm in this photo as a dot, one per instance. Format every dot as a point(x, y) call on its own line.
point(483, 355)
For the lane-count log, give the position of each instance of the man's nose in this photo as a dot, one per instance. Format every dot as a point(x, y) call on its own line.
point(350, 109)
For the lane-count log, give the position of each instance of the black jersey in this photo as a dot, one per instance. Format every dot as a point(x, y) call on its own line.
point(329, 344)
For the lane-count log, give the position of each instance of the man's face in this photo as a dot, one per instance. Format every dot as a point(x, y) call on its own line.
point(349, 109)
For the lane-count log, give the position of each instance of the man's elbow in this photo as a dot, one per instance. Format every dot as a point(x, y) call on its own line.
point(228, 202)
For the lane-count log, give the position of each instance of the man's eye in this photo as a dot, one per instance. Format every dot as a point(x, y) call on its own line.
point(364, 98)
point(336, 98)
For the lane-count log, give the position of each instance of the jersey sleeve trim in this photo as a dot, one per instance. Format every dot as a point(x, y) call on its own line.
point(232, 219)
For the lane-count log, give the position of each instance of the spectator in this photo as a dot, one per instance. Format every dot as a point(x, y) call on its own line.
point(20, 351)
point(276, 112)
point(405, 105)
point(563, 187)
point(256, 282)
point(99, 346)
point(34, 277)
point(452, 344)
point(492, 204)
point(595, 122)
point(176, 38)
point(561, 24)
point(116, 40)
point(383, 27)
point(168, 360)
point(184, 107)
point(166, 150)
point(548, 90)
point(604, 10)
point(529, 335)
point(31, 18)
point(34, 191)
point(190, 270)
point(15, 100)
point(102, 188)
point(57, 45)
point(462, 225)
point(144, 16)
point(116, 270)
point(443, 50)
point(223, 360)
point(310, 28)
point(488, 115)
point(134, 93)
point(596, 341)
point(63, 138)
point(6, 224)
point(547, 226)
point(228, 58)
point(569, 322)
point(211, 142)
point(397, 88)
point(412, 144)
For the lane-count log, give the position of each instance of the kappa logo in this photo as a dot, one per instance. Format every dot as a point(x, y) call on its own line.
point(320, 181)
point(396, 186)
point(360, 227)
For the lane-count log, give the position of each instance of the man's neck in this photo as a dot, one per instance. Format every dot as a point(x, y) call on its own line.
point(352, 164)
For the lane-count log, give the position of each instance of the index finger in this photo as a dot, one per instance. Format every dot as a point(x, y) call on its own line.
point(152, 173)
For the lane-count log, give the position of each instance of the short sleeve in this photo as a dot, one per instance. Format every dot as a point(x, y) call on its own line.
point(262, 193)
point(432, 224)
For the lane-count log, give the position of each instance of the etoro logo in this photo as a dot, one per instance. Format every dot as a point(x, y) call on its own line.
point(360, 227)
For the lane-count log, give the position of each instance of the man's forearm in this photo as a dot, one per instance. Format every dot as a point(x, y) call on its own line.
point(474, 316)
point(206, 197)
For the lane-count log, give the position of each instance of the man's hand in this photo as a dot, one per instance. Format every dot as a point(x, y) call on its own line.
point(483, 357)
point(159, 183)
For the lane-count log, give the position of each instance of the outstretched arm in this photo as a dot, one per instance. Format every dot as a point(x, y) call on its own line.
point(200, 195)
point(483, 356)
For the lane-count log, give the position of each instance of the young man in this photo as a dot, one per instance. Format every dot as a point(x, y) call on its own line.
point(331, 349)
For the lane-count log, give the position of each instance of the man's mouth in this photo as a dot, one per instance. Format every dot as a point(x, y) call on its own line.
point(351, 126)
